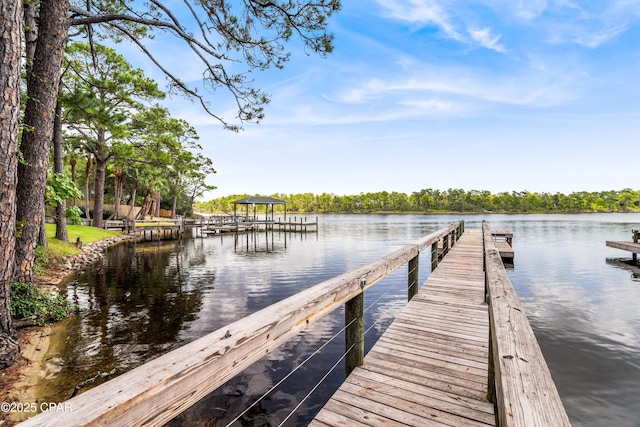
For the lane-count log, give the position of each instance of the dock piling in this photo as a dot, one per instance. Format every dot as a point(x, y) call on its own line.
point(354, 334)
point(413, 276)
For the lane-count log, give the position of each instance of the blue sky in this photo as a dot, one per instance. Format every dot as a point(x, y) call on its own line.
point(495, 95)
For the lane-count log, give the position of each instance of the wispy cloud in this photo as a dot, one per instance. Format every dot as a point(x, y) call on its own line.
point(528, 9)
point(486, 39)
point(443, 87)
point(446, 16)
point(581, 22)
point(423, 12)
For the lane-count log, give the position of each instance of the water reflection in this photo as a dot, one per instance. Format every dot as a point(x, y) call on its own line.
point(131, 308)
point(147, 299)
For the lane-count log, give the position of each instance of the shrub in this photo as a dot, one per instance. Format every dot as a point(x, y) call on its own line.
point(29, 301)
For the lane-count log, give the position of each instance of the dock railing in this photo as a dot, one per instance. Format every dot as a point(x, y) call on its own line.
point(156, 392)
point(520, 384)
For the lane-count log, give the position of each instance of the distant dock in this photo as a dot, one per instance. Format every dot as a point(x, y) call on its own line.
point(173, 229)
point(633, 247)
point(504, 244)
point(221, 223)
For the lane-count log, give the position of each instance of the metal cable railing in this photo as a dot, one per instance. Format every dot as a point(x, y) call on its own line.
point(317, 384)
point(317, 351)
point(276, 385)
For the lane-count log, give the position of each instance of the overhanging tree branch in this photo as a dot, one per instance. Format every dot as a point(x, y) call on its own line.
point(249, 31)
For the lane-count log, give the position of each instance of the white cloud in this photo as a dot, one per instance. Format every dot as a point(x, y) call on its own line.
point(460, 88)
point(486, 39)
point(529, 9)
point(448, 17)
point(423, 12)
point(430, 106)
point(584, 23)
point(594, 39)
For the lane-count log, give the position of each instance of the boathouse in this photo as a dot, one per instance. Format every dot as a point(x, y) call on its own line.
point(255, 202)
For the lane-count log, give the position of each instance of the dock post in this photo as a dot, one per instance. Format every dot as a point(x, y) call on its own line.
point(434, 255)
point(445, 244)
point(354, 334)
point(636, 237)
point(491, 375)
point(413, 276)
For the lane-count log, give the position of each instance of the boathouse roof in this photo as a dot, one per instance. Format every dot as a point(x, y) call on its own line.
point(259, 201)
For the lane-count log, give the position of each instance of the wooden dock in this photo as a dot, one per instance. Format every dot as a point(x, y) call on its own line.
point(216, 224)
point(626, 246)
point(431, 365)
point(504, 243)
point(633, 247)
point(461, 353)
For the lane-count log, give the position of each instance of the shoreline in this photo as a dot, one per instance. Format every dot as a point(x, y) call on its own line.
point(18, 382)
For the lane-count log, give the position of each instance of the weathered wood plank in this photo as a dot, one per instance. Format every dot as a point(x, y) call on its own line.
point(425, 355)
point(431, 362)
point(429, 411)
point(450, 364)
point(626, 246)
point(525, 391)
point(505, 249)
point(439, 329)
point(422, 393)
point(338, 413)
point(439, 344)
point(464, 326)
point(435, 380)
point(386, 407)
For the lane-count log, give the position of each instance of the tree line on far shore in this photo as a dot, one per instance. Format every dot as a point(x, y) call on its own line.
point(451, 200)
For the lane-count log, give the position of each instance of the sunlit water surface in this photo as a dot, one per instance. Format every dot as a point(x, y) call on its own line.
point(145, 300)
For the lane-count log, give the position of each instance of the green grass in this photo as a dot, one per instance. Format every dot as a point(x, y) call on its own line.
point(155, 224)
point(86, 233)
point(58, 249)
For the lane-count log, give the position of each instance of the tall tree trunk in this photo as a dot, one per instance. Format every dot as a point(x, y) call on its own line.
point(10, 45)
point(174, 205)
point(30, 26)
point(87, 195)
point(133, 199)
point(157, 211)
point(98, 189)
point(72, 162)
point(30, 32)
point(42, 233)
point(118, 184)
point(146, 204)
point(58, 167)
point(42, 89)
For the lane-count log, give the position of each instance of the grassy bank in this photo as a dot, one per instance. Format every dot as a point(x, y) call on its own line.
point(58, 249)
point(32, 304)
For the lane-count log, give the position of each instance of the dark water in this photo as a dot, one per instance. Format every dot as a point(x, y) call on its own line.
point(145, 300)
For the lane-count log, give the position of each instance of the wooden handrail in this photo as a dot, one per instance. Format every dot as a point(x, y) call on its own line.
point(524, 390)
point(156, 392)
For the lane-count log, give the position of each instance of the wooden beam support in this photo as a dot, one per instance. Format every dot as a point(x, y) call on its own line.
point(354, 334)
point(413, 276)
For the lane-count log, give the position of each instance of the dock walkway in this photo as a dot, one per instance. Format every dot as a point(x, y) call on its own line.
point(448, 358)
point(430, 367)
point(625, 246)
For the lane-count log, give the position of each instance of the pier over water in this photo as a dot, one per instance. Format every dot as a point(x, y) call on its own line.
point(460, 360)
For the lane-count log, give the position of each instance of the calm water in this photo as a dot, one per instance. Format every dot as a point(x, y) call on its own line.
point(145, 300)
